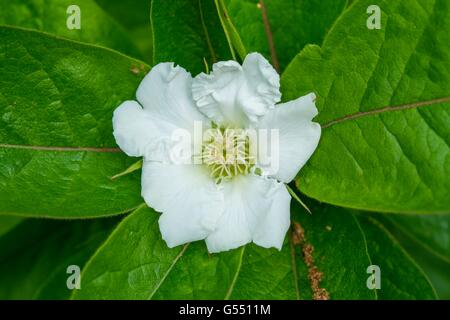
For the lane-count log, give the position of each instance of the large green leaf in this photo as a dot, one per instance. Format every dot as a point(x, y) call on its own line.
point(383, 100)
point(135, 263)
point(188, 32)
point(35, 255)
point(57, 150)
point(51, 15)
point(293, 24)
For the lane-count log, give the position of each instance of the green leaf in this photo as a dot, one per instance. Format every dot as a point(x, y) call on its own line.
point(231, 33)
point(267, 274)
point(135, 263)
point(56, 144)
point(34, 256)
point(383, 100)
point(97, 27)
point(293, 24)
point(8, 222)
point(426, 238)
point(435, 268)
point(187, 32)
point(339, 252)
point(133, 15)
point(401, 277)
point(431, 231)
point(131, 263)
point(236, 274)
point(345, 244)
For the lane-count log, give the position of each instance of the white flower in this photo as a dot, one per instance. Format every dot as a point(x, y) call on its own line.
point(227, 204)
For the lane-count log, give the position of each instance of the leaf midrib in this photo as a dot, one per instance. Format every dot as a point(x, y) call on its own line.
point(76, 42)
point(63, 149)
point(366, 247)
point(236, 275)
point(386, 109)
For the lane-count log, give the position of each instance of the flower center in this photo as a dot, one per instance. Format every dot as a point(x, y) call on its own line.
point(226, 152)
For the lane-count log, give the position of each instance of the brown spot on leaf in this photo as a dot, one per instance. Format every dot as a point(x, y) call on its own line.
point(298, 230)
point(314, 274)
point(135, 70)
point(295, 239)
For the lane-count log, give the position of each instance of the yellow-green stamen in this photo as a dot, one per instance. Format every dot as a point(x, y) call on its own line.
point(226, 152)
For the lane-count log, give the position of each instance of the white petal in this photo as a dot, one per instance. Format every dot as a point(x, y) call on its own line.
point(168, 106)
point(165, 92)
point(263, 81)
point(137, 133)
point(251, 210)
point(298, 136)
point(188, 198)
point(234, 95)
point(271, 230)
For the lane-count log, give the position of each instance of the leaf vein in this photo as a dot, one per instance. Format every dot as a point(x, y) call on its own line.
point(174, 262)
point(386, 109)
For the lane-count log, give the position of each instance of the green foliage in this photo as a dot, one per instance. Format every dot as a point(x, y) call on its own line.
point(34, 256)
point(8, 222)
point(65, 101)
point(135, 263)
point(426, 238)
point(197, 29)
point(133, 15)
point(50, 16)
point(383, 100)
point(344, 238)
point(377, 145)
point(431, 232)
point(293, 24)
point(405, 279)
